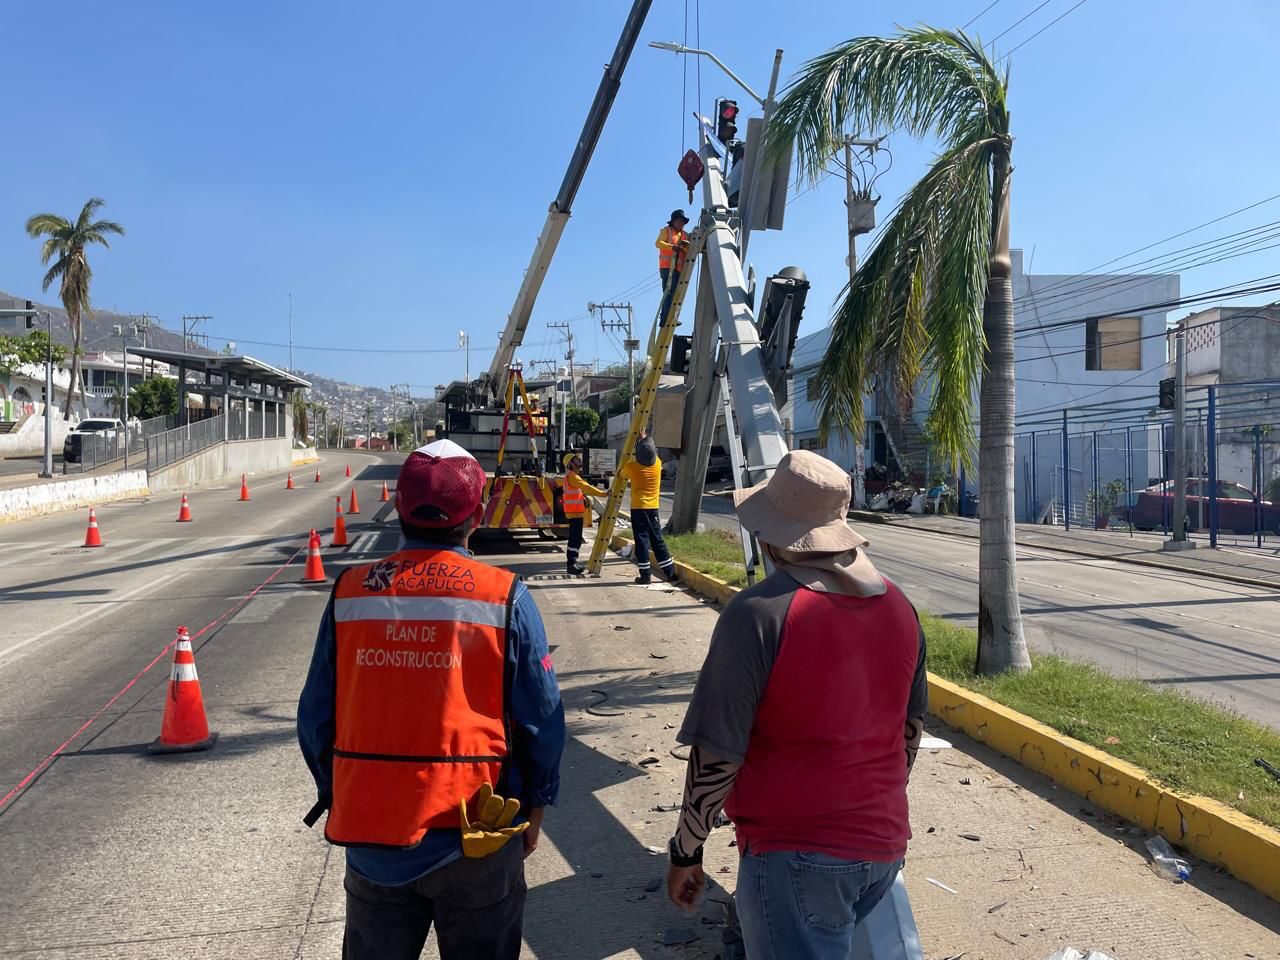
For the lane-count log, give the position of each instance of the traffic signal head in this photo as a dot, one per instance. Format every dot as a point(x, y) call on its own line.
point(726, 120)
point(1168, 394)
point(679, 354)
point(31, 316)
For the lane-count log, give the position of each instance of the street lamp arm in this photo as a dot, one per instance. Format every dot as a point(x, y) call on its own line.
point(679, 48)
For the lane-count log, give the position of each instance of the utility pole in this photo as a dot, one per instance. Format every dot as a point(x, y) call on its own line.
point(291, 332)
point(1180, 541)
point(189, 323)
point(342, 422)
point(564, 406)
point(368, 417)
point(124, 345)
point(856, 210)
point(630, 344)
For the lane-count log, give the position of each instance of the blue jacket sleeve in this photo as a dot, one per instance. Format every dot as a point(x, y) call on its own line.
point(316, 706)
point(537, 714)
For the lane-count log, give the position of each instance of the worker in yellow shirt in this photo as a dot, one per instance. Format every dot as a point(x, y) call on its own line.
point(644, 473)
point(575, 507)
point(673, 245)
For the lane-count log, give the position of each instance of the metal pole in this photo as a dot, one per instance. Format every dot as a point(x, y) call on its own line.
point(1035, 482)
point(753, 195)
point(1211, 441)
point(848, 203)
point(631, 361)
point(1180, 440)
point(1066, 475)
point(1257, 483)
point(1096, 501)
point(124, 343)
point(1128, 476)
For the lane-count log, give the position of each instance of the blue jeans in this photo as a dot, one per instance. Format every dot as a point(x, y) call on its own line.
point(804, 906)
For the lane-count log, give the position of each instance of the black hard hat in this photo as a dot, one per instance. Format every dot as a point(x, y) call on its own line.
point(678, 215)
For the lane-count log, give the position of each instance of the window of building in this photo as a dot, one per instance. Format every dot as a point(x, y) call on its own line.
point(810, 443)
point(811, 390)
point(1113, 343)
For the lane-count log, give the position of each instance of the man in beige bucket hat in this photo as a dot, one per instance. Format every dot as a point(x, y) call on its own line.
point(804, 724)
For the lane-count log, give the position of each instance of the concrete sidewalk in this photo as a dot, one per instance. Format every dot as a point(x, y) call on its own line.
point(1234, 563)
point(112, 854)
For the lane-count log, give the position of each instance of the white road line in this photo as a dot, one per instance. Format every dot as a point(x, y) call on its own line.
point(14, 648)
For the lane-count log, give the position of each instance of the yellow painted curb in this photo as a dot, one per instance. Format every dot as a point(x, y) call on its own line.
point(1213, 831)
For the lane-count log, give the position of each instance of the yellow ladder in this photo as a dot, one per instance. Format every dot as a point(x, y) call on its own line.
point(644, 403)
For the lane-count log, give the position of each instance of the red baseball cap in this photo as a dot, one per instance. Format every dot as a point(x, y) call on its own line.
point(440, 486)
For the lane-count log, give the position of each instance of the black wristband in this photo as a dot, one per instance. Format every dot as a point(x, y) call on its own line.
point(680, 860)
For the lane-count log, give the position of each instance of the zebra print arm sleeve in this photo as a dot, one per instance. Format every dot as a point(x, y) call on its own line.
point(707, 784)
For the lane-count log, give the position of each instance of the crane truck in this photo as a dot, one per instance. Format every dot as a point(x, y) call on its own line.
point(490, 417)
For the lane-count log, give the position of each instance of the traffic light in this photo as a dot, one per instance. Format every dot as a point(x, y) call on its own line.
point(679, 354)
point(1168, 394)
point(726, 120)
point(31, 315)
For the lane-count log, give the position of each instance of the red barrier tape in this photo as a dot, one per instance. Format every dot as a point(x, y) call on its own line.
point(230, 612)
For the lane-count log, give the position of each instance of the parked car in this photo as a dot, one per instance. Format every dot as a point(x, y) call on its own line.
point(1153, 508)
point(106, 428)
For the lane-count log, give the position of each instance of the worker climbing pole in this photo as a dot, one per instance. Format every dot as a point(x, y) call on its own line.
point(668, 322)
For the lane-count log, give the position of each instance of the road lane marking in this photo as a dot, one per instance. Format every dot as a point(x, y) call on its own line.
point(14, 648)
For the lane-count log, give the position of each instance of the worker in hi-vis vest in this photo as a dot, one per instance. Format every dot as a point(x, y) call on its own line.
point(431, 721)
point(574, 498)
point(673, 246)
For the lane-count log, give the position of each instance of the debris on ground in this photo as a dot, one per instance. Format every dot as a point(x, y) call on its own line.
point(674, 936)
point(1070, 953)
point(1165, 862)
point(939, 883)
point(970, 836)
point(619, 626)
point(666, 807)
point(593, 708)
point(653, 886)
point(1274, 771)
point(934, 743)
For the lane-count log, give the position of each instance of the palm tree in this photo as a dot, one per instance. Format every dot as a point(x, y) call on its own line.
point(65, 244)
point(934, 298)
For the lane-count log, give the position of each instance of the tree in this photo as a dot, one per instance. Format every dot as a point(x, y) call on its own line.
point(28, 350)
point(934, 297)
point(617, 400)
point(399, 435)
point(300, 425)
point(155, 397)
point(581, 421)
point(65, 244)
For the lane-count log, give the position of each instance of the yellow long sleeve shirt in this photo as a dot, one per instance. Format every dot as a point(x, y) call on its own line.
point(645, 484)
point(574, 480)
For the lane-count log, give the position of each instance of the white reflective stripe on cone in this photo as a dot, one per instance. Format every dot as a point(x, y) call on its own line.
point(183, 671)
point(421, 608)
point(184, 645)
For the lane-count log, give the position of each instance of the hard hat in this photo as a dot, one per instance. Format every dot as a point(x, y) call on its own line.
point(569, 457)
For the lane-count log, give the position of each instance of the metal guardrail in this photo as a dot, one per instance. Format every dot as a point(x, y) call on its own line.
point(170, 446)
point(98, 450)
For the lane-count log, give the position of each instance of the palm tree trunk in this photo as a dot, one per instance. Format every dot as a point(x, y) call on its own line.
point(73, 319)
point(1001, 645)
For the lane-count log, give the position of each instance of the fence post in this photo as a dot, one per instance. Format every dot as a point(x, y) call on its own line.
point(1211, 441)
point(1066, 475)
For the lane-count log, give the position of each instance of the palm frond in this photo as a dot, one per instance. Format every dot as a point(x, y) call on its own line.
point(56, 271)
point(930, 83)
point(48, 224)
point(96, 232)
point(92, 206)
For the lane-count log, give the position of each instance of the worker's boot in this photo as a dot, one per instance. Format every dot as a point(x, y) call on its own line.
point(669, 573)
point(572, 566)
point(644, 579)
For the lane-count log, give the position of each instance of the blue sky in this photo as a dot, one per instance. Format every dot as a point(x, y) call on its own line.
point(390, 164)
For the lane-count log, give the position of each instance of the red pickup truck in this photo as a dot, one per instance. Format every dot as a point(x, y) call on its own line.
point(1237, 513)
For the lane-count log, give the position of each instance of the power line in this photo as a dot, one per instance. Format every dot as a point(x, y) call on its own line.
point(1081, 3)
point(973, 20)
point(1017, 22)
point(298, 346)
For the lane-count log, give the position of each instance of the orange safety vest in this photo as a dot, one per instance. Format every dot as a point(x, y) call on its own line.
point(667, 254)
point(420, 709)
point(575, 504)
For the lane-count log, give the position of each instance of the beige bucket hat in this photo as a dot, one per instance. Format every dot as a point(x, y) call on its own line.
point(802, 507)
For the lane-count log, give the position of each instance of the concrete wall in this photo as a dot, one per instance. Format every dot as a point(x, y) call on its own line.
point(28, 439)
point(225, 461)
point(21, 503)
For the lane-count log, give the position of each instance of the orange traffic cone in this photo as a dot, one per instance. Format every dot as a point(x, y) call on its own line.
point(185, 727)
point(184, 514)
point(92, 538)
point(354, 506)
point(386, 494)
point(244, 488)
point(315, 567)
point(317, 475)
point(348, 469)
point(339, 528)
point(289, 483)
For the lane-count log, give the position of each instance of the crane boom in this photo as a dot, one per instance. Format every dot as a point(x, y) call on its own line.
point(561, 208)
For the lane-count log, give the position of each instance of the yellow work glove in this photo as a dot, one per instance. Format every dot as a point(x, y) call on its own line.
point(492, 828)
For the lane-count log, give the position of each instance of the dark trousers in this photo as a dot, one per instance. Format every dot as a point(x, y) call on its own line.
point(575, 539)
point(477, 906)
point(667, 274)
point(648, 530)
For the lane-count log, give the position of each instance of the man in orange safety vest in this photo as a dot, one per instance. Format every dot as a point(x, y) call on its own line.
point(574, 499)
point(673, 246)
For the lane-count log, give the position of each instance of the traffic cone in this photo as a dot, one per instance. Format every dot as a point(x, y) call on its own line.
point(354, 506)
point(244, 488)
point(339, 528)
point(184, 514)
point(386, 494)
point(348, 469)
point(317, 475)
point(92, 538)
point(289, 483)
point(185, 727)
point(315, 566)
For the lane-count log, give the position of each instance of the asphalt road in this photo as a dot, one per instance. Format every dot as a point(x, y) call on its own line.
point(1213, 639)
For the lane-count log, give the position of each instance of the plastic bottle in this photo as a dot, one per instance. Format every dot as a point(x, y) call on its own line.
point(1165, 862)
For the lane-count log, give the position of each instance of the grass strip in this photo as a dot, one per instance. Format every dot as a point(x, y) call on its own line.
point(1187, 744)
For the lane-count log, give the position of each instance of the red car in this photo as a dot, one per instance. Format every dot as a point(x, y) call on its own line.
point(1237, 513)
